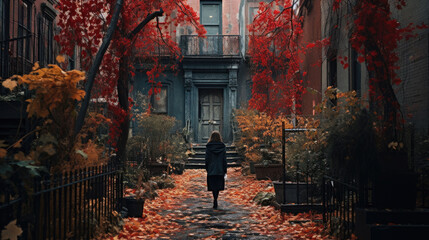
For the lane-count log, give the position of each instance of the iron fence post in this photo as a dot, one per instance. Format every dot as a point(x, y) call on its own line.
point(284, 161)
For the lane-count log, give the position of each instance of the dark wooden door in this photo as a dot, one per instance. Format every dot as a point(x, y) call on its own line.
point(210, 112)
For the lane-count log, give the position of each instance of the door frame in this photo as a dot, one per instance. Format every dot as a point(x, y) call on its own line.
point(221, 127)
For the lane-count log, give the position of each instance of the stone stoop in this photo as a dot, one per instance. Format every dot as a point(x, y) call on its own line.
point(377, 224)
point(197, 160)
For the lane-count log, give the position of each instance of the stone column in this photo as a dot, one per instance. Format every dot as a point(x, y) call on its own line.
point(188, 99)
point(188, 88)
point(232, 98)
point(233, 88)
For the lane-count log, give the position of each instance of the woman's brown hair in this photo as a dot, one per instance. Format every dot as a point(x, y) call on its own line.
point(215, 137)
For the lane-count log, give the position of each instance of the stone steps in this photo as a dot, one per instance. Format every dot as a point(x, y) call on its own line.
point(197, 160)
point(202, 160)
point(392, 224)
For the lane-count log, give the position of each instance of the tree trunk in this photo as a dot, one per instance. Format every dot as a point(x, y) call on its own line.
point(92, 73)
point(123, 103)
point(123, 89)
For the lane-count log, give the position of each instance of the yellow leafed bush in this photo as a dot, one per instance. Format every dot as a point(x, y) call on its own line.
point(53, 87)
point(258, 130)
point(54, 98)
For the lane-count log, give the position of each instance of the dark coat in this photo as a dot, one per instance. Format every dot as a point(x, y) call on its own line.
point(216, 158)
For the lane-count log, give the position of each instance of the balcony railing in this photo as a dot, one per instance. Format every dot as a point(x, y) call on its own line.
point(212, 45)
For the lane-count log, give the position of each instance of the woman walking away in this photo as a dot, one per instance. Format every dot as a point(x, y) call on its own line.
point(215, 165)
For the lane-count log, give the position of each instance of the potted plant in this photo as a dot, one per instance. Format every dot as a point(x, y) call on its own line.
point(137, 190)
point(270, 167)
point(134, 205)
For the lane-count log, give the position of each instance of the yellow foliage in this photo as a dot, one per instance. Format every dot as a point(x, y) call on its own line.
point(53, 87)
point(258, 129)
point(60, 59)
point(9, 84)
point(55, 93)
point(94, 156)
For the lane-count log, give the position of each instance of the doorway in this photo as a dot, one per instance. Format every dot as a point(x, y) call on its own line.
point(210, 112)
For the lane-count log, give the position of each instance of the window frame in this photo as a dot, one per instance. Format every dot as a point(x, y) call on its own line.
point(153, 101)
point(4, 38)
point(219, 4)
point(46, 19)
point(24, 29)
point(72, 60)
point(252, 14)
point(356, 75)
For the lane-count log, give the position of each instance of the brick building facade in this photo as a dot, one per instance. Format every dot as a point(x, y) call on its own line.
point(27, 30)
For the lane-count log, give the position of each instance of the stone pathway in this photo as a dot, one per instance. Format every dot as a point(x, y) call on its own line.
point(185, 212)
point(200, 220)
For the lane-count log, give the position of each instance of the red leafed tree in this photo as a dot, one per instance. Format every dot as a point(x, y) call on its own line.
point(275, 58)
point(85, 23)
point(375, 36)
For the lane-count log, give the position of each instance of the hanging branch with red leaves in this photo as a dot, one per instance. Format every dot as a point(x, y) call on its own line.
point(83, 23)
point(275, 58)
point(276, 55)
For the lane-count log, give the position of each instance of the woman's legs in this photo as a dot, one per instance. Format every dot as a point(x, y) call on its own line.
point(215, 195)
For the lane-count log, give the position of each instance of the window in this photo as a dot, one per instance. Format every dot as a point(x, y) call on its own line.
point(24, 29)
point(72, 63)
point(332, 71)
point(4, 24)
point(2, 20)
point(46, 36)
point(253, 12)
point(159, 101)
point(161, 19)
point(356, 73)
point(332, 76)
point(210, 17)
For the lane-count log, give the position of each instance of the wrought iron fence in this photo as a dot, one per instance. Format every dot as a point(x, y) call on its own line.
point(339, 202)
point(212, 45)
point(67, 206)
point(308, 190)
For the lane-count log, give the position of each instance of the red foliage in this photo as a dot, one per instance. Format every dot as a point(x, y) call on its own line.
point(84, 23)
point(276, 57)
